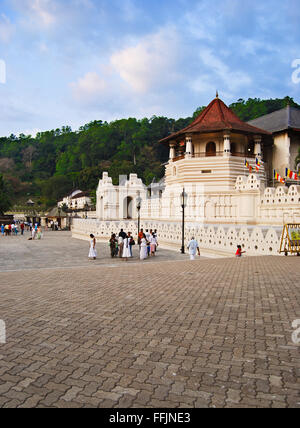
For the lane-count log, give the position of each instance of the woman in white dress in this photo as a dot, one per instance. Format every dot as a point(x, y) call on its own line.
point(126, 248)
point(93, 252)
point(143, 251)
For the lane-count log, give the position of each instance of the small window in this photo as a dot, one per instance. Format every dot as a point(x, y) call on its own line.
point(211, 149)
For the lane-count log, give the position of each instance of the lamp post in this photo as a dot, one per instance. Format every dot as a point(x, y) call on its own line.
point(59, 217)
point(86, 209)
point(138, 207)
point(183, 201)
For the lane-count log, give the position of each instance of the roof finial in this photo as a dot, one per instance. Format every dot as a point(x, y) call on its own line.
point(217, 94)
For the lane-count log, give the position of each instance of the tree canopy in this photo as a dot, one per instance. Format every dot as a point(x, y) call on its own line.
point(5, 202)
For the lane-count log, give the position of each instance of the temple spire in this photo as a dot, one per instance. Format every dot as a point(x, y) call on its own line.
point(217, 94)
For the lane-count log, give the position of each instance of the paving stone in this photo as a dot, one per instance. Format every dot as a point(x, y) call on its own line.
point(168, 333)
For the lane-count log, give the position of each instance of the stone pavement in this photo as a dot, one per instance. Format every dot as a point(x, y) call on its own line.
point(58, 249)
point(209, 333)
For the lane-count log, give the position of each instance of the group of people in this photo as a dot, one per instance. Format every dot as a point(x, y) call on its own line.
point(12, 229)
point(121, 246)
point(15, 228)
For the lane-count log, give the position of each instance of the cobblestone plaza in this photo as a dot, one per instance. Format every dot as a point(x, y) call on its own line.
point(164, 333)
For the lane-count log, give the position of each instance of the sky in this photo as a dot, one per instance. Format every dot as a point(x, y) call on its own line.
point(69, 62)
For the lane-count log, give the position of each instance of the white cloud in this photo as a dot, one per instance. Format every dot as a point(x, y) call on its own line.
point(151, 63)
point(89, 88)
point(42, 9)
point(233, 80)
point(6, 28)
point(40, 13)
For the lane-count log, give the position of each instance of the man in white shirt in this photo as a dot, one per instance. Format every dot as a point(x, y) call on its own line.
point(193, 247)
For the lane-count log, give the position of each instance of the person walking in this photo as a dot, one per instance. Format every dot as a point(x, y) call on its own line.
point(126, 248)
point(153, 244)
point(22, 227)
point(39, 232)
point(2, 229)
point(113, 244)
point(131, 243)
point(140, 236)
point(193, 247)
point(93, 252)
point(121, 246)
point(33, 233)
point(143, 248)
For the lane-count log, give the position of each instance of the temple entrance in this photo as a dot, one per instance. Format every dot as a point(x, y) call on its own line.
point(211, 149)
point(128, 208)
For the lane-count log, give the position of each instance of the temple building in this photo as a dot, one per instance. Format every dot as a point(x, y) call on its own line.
point(213, 149)
point(225, 166)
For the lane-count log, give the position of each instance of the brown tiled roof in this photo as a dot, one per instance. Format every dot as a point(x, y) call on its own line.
point(217, 117)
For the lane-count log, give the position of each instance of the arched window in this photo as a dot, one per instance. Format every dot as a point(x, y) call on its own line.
point(128, 208)
point(211, 149)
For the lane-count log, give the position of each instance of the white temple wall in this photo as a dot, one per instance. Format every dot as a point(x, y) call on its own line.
point(281, 153)
point(213, 240)
point(248, 203)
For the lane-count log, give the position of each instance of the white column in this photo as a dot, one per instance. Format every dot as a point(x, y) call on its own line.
point(189, 148)
point(227, 148)
point(172, 151)
point(257, 146)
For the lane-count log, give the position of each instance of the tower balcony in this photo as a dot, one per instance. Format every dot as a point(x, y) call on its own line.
point(179, 157)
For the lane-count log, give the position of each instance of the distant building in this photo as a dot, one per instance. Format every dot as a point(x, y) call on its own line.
point(77, 200)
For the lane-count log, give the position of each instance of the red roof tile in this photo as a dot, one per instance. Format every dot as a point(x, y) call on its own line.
point(217, 117)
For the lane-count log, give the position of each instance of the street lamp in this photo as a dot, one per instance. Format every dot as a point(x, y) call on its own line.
point(59, 217)
point(183, 202)
point(138, 207)
point(86, 206)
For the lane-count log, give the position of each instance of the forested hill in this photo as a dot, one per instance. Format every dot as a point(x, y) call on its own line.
point(47, 167)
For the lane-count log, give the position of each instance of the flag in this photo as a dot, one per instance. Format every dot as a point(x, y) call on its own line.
point(258, 164)
point(278, 177)
point(291, 174)
point(247, 165)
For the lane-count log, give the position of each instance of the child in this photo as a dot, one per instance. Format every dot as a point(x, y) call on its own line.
point(239, 251)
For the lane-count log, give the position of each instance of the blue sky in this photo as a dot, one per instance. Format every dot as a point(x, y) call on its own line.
point(69, 62)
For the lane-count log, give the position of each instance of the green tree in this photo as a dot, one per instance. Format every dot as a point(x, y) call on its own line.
point(5, 201)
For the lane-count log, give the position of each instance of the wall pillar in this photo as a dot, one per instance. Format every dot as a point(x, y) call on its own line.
point(257, 146)
point(189, 148)
point(227, 145)
point(172, 151)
